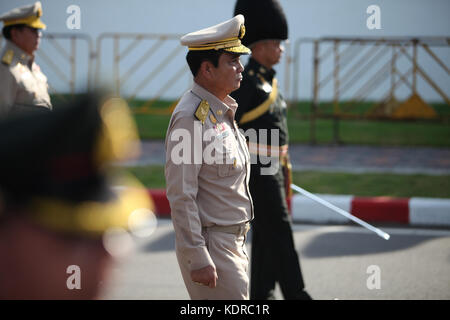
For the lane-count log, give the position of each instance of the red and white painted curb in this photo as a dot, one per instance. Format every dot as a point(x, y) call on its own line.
point(410, 211)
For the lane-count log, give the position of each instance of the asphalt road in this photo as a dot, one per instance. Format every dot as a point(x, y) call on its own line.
point(338, 262)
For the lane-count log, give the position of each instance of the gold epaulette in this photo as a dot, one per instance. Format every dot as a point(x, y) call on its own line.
point(202, 111)
point(7, 57)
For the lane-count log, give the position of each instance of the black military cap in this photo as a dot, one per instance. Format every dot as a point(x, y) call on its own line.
point(264, 19)
point(55, 166)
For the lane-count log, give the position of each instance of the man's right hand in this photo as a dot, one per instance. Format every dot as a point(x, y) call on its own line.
point(206, 276)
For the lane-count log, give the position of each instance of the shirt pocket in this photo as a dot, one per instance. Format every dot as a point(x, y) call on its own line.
point(227, 156)
point(232, 165)
point(27, 88)
point(225, 170)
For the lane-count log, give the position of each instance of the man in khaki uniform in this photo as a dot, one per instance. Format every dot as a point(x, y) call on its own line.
point(207, 168)
point(24, 87)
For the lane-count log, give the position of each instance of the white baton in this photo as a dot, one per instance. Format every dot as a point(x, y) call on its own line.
point(379, 232)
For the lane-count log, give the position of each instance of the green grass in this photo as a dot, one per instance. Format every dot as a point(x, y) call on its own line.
point(375, 184)
point(367, 184)
point(386, 133)
point(326, 108)
point(364, 132)
point(369, 132)
point(150, 176)
point(152, 126)
point(381, 133)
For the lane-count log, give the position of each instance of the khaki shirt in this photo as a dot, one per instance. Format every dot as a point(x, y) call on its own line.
point(205, 190)
point(23, 86)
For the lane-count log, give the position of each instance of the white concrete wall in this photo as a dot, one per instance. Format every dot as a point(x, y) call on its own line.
point(307, 18)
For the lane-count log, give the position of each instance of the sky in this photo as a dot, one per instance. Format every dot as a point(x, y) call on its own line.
point(306, 19)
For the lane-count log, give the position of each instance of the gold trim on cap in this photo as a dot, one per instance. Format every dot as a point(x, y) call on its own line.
point(226, 43)
point(241, 49)
point(31, 21)
point(229, 44)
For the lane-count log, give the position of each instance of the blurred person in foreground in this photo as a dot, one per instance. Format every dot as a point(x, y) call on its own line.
point(58, 207)
point(263, 110)
point(24, 87)
point(207, 168)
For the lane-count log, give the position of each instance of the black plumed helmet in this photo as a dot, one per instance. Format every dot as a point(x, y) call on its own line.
point(264, 19)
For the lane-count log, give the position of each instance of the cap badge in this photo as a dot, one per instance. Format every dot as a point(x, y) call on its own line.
point(241, 31)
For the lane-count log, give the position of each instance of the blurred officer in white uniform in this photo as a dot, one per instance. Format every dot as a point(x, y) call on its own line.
point(24, 87)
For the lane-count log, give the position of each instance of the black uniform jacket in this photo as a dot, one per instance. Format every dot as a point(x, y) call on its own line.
point(260, 104)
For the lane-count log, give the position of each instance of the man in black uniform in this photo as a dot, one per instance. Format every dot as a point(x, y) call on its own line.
point(261, 106)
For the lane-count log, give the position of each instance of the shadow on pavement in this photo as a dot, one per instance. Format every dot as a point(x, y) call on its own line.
point(335, 244)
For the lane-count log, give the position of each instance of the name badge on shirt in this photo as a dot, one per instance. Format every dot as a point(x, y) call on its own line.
point(221, 130)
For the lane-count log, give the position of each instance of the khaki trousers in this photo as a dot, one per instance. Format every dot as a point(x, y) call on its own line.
point(229, 254)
